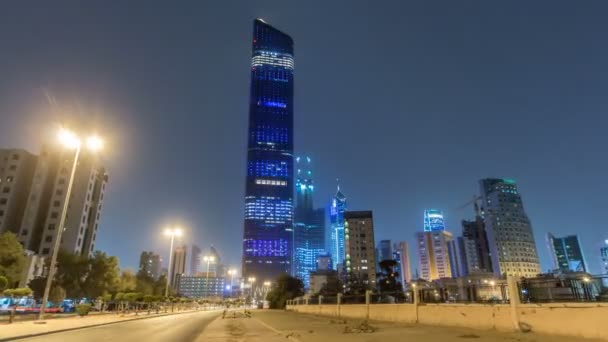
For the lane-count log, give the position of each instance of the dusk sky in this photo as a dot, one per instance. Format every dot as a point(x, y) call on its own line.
point(408, 103)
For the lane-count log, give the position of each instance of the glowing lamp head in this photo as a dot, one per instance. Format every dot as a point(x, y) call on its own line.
point(173, 232)
point(68, 139)
point(94, 143)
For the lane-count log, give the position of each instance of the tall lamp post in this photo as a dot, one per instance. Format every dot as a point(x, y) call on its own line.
point(251, 281)
point(171, 232)
point(72, 142)
point(232, 272)
point(208, 259)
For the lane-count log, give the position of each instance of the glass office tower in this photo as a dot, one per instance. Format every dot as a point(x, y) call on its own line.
point(566, 253)
point(309, 227)
point(336, 225)
point(268, 227)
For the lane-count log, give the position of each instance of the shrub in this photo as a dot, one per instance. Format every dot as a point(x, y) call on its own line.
point(83, 309)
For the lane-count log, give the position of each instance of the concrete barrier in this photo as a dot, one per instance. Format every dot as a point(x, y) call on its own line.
point(584, 320)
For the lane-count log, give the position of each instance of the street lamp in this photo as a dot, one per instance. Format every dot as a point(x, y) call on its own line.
point(70, 141)
point(171, 232)
point(209, 259)
point(251, 281)
point(232, 272)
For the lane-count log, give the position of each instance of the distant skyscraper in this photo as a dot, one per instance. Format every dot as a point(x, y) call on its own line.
point(433, 220)
point(384, 251)
point(324, 262)
point(434, 254)
point(336, 224)
point(473, 245)
point(46, 199)
point(604, 258)
point(216, 267)
point(359, 246)
point(196, 260)
point(268, 226)
point(566, 253)
point(16, 177)
point(309, 227)
point(178, 267)
point(402, 256)
point(150, 263)
point(508, 228)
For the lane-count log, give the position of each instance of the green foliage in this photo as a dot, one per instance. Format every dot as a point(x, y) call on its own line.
point(72, 271)
point(3, 283)
point(83, 309)
point(286, 287)
point(57, 295)
point(388, 278)
point(37, 285)
point(127, 282)
point(18, 292)
point(332, 287)
point(102, 275)
point(12, 258)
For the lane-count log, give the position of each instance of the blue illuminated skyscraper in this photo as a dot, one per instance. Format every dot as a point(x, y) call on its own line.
point(336, 221)
point(433, 220)
point(268, 227)
point(309, 227)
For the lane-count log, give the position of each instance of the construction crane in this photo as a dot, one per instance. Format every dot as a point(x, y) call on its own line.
point(475, 202)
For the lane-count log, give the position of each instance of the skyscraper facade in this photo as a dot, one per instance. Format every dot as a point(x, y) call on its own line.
point(196, 260)
point(178, 265)
point(268, 226)
point(47, 196)
point(149, 264)
point(604, 257)
point(434, 254)
point(433, 220)
point(402, 256)
point(309, 227)
point(336, 226)
point(360, 258)
point(473, 245)
point(510, 237)
point(566, 253)
point(16, 176)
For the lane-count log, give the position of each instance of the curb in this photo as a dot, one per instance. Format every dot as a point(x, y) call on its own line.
point(20, 337)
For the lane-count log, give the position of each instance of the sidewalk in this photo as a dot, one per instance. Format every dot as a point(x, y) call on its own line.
point(312, 328)
point(31, 328)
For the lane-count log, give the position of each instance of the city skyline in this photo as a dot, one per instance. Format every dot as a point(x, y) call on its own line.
point(539, 162)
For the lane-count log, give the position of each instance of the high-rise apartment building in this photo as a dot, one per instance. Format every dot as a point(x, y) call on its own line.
point(268, 226)
point(337, 209)
point(473, 246)
point(150, 264)
point(47, 195)
point(178, 265)
point(566, 253)
point(434, 254)
point(509, 231)
point(16, 175)
point(360, 259)
point(196, 260)
point(309, 227)
point(402, 256)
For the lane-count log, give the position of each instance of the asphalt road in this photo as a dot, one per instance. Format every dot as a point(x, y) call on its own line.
point(182, 327)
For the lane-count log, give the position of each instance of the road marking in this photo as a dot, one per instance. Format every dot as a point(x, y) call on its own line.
point(276, 330)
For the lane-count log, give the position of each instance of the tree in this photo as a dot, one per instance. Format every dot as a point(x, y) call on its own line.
point(37, 285)
point(57, 295)
point(12, 258)
point(3, 283)
point(144, 283)
point(72, 271)
point(127, 281)
point(388, 279)
point(18, 292)
point(102, 276)
point(332, 287)
point(285, 288)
